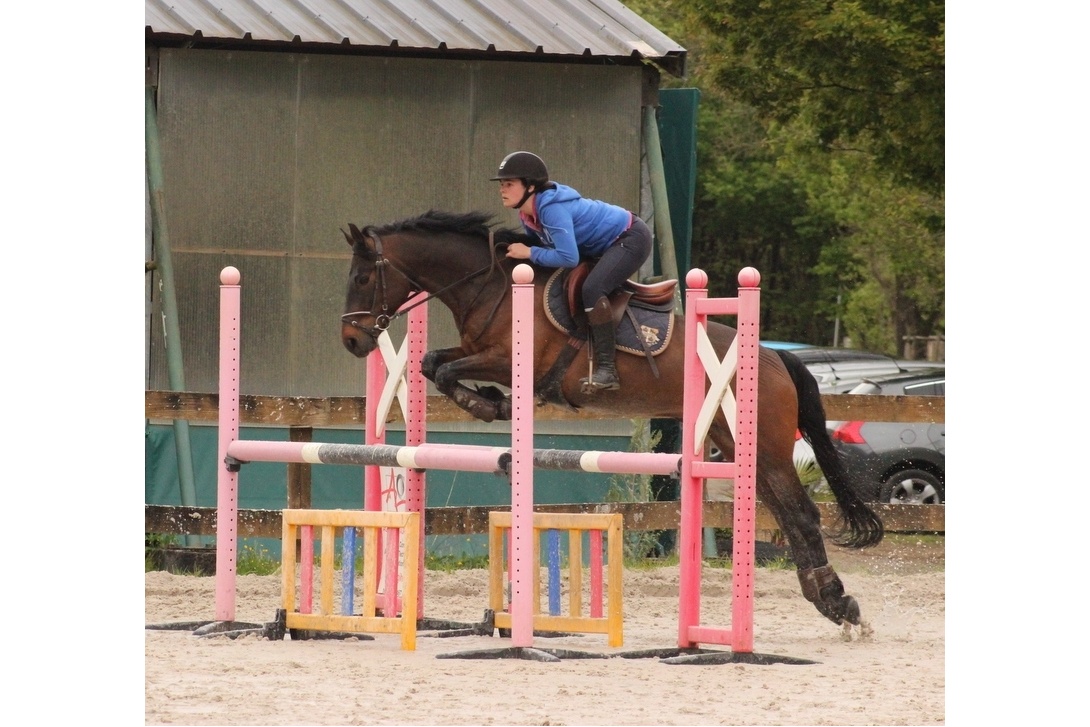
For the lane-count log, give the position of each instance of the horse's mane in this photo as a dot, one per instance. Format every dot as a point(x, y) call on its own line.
point(477, 224)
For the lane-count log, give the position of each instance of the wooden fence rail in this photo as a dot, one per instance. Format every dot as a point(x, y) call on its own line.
point(302, 414)
point(641, 516)
point(342, 411)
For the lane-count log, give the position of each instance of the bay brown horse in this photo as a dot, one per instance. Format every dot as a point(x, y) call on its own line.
point(459, 259)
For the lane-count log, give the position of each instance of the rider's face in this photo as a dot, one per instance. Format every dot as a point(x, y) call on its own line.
point(511, 191)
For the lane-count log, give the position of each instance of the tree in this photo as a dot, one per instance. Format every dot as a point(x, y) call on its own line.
point(864, 73)
point(888, 263)
point(820, 160)
point(751, 210)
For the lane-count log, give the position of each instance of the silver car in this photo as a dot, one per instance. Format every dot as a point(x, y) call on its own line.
point(839, 370)
point(897, 462)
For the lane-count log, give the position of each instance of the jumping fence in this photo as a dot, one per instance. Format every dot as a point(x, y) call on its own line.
point(700, 406)
point(302, 415)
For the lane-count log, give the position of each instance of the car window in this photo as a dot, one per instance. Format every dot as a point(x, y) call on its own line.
point(931, 388)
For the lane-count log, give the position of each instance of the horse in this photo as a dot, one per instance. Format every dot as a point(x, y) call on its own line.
point(459, 259)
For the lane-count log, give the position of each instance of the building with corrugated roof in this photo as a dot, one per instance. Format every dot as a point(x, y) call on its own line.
point(278, 122)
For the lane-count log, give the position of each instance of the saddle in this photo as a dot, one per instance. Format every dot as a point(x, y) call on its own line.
point(649, 295)
point(649, 307)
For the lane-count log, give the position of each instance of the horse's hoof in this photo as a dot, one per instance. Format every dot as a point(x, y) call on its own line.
point(851, 610)
point(503, 411)
point(486, 413)
point(866, 633)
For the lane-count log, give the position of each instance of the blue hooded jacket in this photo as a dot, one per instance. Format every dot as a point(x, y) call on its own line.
point(572, 227)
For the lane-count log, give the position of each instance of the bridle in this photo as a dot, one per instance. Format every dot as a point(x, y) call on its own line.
point(384, 318)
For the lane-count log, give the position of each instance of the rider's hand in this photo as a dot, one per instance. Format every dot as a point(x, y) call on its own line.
point(518, 251)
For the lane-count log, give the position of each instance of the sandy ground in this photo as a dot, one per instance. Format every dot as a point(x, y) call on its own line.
point(894, 677)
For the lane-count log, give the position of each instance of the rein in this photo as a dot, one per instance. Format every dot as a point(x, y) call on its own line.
point(384, 319)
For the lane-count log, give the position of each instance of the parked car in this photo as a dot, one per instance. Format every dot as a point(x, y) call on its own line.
point(897, 462)
point(839, 370)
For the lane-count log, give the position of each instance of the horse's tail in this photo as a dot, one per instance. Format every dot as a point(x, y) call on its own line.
point(860, 526)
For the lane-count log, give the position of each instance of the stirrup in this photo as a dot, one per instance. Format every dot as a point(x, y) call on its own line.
point(592, 385)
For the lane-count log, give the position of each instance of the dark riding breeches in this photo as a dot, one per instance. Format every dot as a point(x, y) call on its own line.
point(618, 263)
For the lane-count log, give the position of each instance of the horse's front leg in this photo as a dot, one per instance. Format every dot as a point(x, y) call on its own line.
point(448, 367)
point(432, 360)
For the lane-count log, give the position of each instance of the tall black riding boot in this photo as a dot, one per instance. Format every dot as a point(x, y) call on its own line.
point(604, 337)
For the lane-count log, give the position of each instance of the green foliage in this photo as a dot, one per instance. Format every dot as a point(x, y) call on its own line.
point(153, 543)
point(641, 562)
point(821, 160)
point(810, 474)
point(891, 259)
point(256, 561)
point(783, 562)
point(159, 540)
point(865, 75)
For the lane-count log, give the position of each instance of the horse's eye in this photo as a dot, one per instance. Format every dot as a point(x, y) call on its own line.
point(361, 279)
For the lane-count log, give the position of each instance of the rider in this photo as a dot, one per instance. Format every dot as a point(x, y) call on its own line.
point(573, 228)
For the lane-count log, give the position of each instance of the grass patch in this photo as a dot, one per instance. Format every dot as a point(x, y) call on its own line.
point(256, 562)
point(651, 563)
point(449, 563)
point(250, 560)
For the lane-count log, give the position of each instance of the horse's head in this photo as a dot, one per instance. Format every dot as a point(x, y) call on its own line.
point(447, 255)
point(375, 291)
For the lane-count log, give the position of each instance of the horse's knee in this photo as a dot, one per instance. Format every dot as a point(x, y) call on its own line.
point(823, 587)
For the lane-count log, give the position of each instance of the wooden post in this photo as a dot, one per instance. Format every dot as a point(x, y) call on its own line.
point(299, 473)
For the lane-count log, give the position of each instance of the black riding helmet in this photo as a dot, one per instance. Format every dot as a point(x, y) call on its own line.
point(525, 166)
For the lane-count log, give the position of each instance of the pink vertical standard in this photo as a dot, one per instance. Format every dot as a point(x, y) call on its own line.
point(227, 481)
point(306, 569)
point(743, 470)
point(522, 457)
point(416, 429)
point(745, 458)
point(691, 487)
point(595, 574)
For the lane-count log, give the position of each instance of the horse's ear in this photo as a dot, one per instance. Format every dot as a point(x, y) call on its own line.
point(355, 237)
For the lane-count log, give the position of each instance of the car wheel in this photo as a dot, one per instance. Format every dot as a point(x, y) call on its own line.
point(913, 487)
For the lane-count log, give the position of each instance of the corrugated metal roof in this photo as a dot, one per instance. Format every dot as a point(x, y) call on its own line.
point(584, 28)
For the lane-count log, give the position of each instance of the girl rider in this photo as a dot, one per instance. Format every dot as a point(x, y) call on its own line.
point(572, 228)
